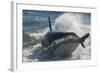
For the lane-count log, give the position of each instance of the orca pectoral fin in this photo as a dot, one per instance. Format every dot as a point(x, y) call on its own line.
point(82, 45)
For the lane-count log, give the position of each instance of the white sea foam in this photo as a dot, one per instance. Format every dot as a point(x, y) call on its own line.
point(69, 22)
point(72, 22)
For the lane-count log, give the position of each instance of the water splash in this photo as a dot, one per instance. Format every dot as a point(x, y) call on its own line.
point(72, 22)
point(68, 22)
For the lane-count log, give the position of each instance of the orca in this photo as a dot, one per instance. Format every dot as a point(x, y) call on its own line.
point(50, 37)
point(68, 41)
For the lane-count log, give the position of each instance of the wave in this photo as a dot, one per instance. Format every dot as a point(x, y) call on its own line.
point(68, 22)
point(72, 22)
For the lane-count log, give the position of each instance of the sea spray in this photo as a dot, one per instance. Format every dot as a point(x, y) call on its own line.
point(68, 22)
point(72, 22)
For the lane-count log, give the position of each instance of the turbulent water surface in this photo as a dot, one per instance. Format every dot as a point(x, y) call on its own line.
point(78, 23)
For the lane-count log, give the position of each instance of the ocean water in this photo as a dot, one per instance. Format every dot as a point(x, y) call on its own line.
point(37, 21)
point(78, 23)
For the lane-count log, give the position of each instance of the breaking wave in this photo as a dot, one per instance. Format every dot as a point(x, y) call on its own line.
point(68, 22)
point(72, 22)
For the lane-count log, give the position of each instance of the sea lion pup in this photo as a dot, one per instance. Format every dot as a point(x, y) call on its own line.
point(68, 42)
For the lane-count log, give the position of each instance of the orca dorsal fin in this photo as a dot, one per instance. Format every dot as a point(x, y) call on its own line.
point(50, 27)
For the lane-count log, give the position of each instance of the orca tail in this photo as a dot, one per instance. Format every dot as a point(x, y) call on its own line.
point(82, 39)
point(83, 45)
